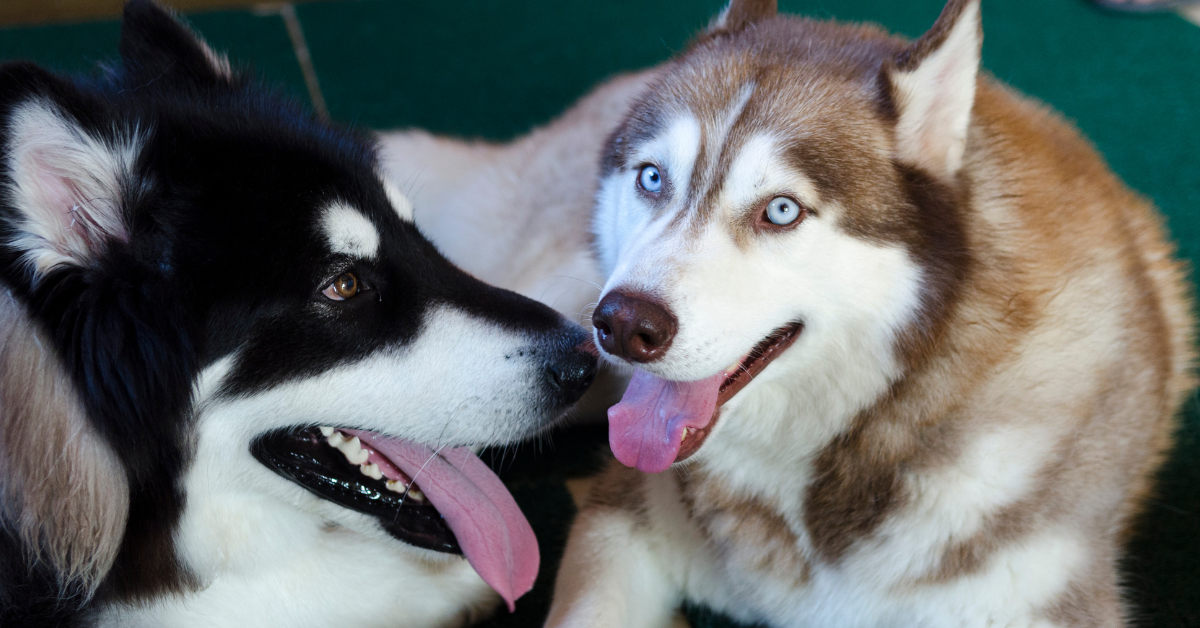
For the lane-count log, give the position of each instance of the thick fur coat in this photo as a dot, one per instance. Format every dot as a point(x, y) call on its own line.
point(954, 370)
point(237, 385)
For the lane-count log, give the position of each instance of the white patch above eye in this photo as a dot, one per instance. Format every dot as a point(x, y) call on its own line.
point(674, 152)
point(399, 201)
point(757, 172)
point(350, 232)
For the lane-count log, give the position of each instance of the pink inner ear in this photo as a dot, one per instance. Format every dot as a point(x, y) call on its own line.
point(57, 192)
point(65, 208)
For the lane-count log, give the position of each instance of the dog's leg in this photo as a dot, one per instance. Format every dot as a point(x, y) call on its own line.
point(631, 550)
point(610, 576)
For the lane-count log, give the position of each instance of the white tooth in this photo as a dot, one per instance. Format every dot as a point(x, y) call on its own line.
point(416, 494)
point(326, 431)
point(335, 439)
point(371, 470)
point(396, 486)
point(353, 451)
point(475, 449)
point(351, 447)
point(737, 364)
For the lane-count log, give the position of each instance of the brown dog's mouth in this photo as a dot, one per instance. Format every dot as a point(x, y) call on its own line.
point(738, 376)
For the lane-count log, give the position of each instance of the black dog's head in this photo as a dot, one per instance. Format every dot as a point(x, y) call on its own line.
point(232, 290)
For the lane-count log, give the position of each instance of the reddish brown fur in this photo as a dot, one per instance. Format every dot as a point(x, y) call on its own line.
point(1039, 264)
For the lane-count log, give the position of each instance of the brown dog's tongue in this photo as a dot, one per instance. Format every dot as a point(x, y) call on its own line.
point(646, 428)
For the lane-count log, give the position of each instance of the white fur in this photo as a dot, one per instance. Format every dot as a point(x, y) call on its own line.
point(838, 285)
point(627, 217)
point(853, 297)
point(400, 202)
point(65, 185)
point(349, 232)
point(269, 553)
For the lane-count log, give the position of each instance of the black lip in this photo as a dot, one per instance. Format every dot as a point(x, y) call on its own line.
point(302, 456)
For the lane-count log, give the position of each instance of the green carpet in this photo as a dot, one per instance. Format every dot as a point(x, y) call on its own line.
point(494, 69)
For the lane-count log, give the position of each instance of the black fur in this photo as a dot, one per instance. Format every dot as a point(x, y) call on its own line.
point(222, 255)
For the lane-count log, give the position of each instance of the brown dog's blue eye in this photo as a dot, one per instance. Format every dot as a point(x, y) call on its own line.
point(783, 211)
point(649, 179)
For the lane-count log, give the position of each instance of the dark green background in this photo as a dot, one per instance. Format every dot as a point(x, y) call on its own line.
point(494, 69)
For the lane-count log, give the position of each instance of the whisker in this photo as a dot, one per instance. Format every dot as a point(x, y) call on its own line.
point(590, 283)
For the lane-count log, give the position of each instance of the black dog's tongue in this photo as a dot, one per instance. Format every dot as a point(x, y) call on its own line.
point(492, 531)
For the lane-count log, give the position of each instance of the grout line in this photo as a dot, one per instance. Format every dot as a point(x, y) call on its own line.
point(287, 12)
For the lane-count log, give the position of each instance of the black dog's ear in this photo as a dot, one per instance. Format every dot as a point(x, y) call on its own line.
point(156, 44)
point(68, 184)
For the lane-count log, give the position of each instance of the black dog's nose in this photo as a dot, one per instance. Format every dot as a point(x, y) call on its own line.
point(572, 372)
point(634, 327)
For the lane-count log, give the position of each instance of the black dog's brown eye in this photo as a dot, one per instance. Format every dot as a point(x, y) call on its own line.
point(342, 288)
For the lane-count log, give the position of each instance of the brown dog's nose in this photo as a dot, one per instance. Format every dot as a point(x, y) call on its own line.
point(634, 327)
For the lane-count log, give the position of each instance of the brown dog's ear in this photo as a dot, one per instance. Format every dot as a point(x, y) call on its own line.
point(63, 492)
point(932, 85)
point(739, 14)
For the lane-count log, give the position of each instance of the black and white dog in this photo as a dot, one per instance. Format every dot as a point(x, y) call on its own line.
point(237, 386)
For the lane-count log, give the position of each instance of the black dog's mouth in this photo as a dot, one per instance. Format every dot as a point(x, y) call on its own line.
point(309, 458)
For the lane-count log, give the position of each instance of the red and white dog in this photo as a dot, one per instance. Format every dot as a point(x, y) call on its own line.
point(907, 353)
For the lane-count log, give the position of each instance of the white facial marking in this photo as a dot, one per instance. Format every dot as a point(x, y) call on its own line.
point(399, 201)
point(756, 171)
point(249, 535)
point(719, 134)
point(624, 214)
point(350, 232)
point(674, 152)
point(838, 285)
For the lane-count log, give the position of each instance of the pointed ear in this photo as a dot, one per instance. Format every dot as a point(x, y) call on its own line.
point(739, 14)
point(932, 85)
point(67, 189)
point(155, 43)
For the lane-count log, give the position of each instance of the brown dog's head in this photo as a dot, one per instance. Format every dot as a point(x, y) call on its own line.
point(785, 193)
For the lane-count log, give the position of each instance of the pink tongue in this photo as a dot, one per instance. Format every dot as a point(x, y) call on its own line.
point(489, 526)
point(645, 429)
